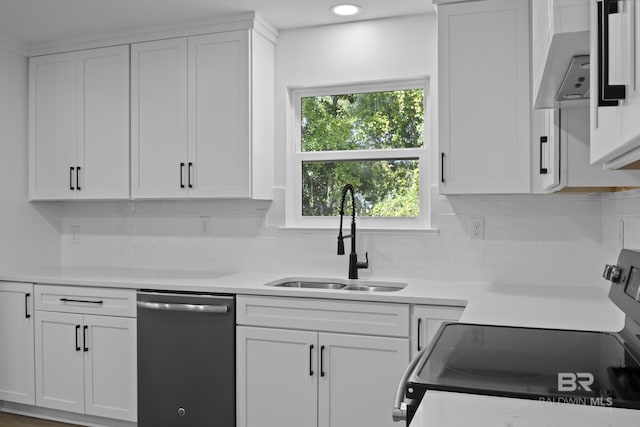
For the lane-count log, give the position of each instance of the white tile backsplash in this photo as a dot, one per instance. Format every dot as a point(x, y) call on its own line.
point(616, 207)
point(539, 240)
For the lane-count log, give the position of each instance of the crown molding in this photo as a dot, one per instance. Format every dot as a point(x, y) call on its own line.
point(244, 21)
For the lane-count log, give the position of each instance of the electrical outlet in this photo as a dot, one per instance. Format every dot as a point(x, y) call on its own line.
point(75, 234)
point(205, 225)
point(476, 228)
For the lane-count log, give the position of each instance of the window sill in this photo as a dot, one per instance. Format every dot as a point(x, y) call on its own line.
point(362, 229)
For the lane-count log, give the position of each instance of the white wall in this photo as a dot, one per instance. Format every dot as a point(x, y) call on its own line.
point(541, 240)
point(29, 233)
point(387, 49)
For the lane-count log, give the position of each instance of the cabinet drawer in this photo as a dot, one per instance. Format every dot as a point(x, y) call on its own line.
point(100, 301)
point(324, 315)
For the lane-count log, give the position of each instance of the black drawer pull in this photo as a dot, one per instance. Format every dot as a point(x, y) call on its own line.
point(26, 306)
point(419, 331)
point(543, 170)
point(84, 338)
point(71, 178)
point(77, 340)
point(78, 178)
point(311, 360)
point(83, 301)
point(322, 361)
point(181, 175)
point(608, 94)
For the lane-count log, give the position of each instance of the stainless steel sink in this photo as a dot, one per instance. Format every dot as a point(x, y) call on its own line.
point(310, 285)
point(338, 285)
point(372, 288)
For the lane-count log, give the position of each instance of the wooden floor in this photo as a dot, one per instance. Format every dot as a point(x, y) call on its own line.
point(11, 420)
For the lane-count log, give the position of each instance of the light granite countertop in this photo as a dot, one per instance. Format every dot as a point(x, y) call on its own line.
point(565, 307)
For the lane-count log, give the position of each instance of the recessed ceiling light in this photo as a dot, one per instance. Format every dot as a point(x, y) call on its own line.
point(346, 9)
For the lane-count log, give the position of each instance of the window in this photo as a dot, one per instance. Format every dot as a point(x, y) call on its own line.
point(372, 136)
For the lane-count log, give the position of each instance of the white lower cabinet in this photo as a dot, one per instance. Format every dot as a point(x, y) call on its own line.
point(311, 378)
point(361, 374)
point(425, 322)
point(17, 381)
point(301, 378)
point(85, 363)
point(277, 377)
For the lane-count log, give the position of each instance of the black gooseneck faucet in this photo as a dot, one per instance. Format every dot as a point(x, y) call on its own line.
point(354, 264)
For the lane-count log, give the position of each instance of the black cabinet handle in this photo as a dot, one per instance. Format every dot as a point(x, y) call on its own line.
point(189, 171)
point(26, 306)
point(181, 175)
point(442, 167)
point(78, 178)
point(77, 341)
point(608, 95)
point(84, 338)
point(311, 360)
point(543, 140)
point(71, 178)
point(84, 301)
point(419, 332)
point(322, 361)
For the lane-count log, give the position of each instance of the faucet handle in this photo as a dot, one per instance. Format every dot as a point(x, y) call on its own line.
point(364, 264)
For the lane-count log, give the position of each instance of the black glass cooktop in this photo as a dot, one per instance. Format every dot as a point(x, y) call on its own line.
point(574, 367)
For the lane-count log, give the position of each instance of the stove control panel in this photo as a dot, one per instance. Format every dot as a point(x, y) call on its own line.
point(633, 284)
point(625, 287)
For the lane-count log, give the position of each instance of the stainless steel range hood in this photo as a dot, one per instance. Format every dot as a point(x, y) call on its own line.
point(560, 33)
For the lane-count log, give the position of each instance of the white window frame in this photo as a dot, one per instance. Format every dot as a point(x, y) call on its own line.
point(294, 217)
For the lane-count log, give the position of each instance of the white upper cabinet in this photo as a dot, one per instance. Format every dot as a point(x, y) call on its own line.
point(202, 117)
point(615, 100)
point(564, 162)
point(79, 125)
point(220, 125)
point(484, 97)
point(159, 118)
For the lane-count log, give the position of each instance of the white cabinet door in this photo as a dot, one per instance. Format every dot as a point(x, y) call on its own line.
point(110, 380)
point(79, 125)
point(220, 115)
point(484, 97)
point(159, 119)
point(547, 150)
point(17, 380)
point(425, 322)
point(358, 379)
point(53, 89)
point(59, 361)
point(277, 377)
point(606, 121)
point(631, 113)
point(103, 123)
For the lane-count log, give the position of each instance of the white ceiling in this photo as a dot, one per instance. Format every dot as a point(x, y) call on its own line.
point(37, 21)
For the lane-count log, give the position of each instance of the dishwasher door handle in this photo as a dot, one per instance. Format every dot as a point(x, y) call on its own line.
point(194, 308)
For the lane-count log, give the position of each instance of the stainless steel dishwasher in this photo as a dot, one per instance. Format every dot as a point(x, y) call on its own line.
point(186, 359)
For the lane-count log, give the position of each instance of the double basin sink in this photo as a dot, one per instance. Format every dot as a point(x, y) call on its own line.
point(338, 285)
